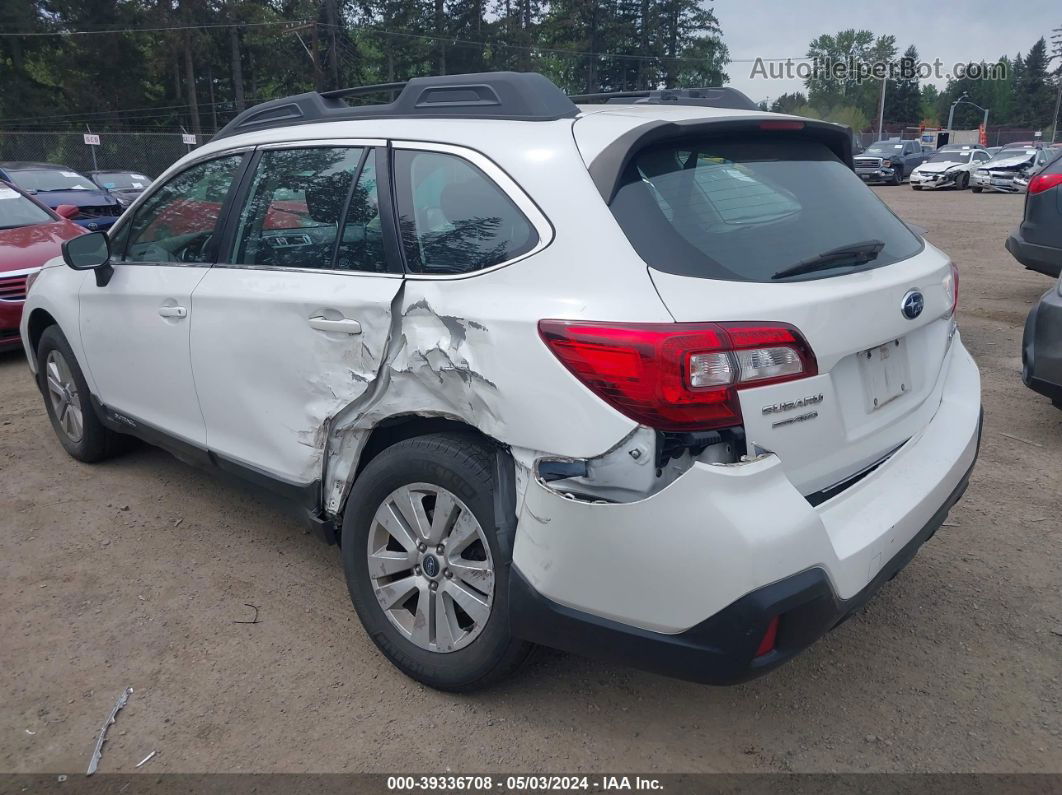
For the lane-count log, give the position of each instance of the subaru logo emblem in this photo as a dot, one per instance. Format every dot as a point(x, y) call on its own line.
point(431, 565)
point(913, 304)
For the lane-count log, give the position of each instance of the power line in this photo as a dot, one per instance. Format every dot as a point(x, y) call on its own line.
point(106, 31)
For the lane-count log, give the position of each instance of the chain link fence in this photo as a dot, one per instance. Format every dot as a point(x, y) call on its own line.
point(145, 152)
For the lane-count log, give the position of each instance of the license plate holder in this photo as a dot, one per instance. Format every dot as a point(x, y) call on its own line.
point(999, 181)
point(886, 374)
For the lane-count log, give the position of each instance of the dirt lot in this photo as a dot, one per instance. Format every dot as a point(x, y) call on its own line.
point(132, 574)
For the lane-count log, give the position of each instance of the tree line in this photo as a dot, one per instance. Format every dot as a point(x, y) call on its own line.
point(160, 64)
point(1025, 97)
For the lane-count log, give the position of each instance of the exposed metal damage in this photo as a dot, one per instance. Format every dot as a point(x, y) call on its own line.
point(431, 367)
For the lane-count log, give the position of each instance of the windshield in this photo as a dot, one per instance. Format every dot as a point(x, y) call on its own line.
point(745, 210)
point(1009, 154)
point(951, 157)
point(884, 148)
point(119, 180)
point(16, 210)
point(44, 179)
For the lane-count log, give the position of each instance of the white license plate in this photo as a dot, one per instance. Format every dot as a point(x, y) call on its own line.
point(1001, 182)
point(886, 374)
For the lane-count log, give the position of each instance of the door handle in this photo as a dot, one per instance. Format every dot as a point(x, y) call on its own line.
point(173, 311)
point(340, 326)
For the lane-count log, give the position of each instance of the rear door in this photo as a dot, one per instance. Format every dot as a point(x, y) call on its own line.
point(721, 223)
point(292, 324)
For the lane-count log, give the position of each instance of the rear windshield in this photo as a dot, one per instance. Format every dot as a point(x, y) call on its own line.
point(749, 209)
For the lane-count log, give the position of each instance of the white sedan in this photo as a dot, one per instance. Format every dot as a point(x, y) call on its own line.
point(950, 168)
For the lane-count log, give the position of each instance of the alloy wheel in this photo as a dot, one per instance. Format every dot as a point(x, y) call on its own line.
point(63, 393)
point(431, 567)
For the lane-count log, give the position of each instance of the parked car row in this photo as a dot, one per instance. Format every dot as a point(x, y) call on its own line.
point(1005, 169)
point(99, 196)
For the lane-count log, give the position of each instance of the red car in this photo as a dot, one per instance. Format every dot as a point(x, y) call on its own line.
point(30, 235)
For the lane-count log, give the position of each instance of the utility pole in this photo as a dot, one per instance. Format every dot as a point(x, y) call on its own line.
point(881, 109)
point(1054, 119)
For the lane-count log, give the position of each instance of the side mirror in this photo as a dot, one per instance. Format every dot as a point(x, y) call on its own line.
point(67, 210)
point(90, 252)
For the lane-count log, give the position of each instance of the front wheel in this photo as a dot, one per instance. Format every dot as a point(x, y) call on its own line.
point(962, 182)
point(976, 189)
point(897, 177)
point(67, 400)
point(426, 567)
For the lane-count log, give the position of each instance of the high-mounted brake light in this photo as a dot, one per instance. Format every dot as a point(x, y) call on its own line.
point(781, 125)
point(1042, 182)
point(678, 376)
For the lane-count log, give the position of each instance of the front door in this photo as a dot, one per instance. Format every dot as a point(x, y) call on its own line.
point(135, 329)
point(292, 324)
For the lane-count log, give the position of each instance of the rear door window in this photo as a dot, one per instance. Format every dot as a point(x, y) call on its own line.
point(749, 209)
point(294, 211)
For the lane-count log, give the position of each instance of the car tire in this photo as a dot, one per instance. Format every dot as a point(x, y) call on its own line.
point(897, 177)
point(916, 187)
point(976, 189)
point(461, 650)
point(68, 401)
point(964, 182)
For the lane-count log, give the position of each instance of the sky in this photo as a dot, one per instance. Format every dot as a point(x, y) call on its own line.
point(974, 30)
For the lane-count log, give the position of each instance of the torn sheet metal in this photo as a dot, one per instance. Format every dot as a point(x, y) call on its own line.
point(97, 752)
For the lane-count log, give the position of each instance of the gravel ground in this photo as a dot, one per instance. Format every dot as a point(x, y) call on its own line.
point(132, 573)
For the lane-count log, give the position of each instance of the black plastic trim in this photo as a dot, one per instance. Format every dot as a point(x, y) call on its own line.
point(305, 496)
point(711, 97)
point(722, 649)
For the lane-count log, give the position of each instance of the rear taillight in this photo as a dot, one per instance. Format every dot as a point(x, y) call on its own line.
point(678, 376)
point(951, 288)
point(1042, 182)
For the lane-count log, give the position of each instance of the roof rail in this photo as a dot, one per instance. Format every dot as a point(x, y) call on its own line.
point(525, 96)
point(716, 97)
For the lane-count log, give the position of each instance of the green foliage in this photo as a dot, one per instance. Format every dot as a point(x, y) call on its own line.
point(218, 56)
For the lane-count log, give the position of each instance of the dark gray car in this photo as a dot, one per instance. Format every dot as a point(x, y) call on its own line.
point(889, 161)
point(1037, 242)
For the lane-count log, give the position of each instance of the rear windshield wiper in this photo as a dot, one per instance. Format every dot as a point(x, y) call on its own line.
point(851, 255)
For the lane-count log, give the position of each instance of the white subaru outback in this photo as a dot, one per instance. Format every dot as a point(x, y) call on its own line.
point(657, 380)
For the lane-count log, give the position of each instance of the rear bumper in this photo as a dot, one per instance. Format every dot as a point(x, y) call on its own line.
point(722, 649)
point(1042, 259)
point(1041, 347)
point(684, 581)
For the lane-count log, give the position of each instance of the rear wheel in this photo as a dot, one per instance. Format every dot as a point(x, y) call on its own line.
point(66, 398)
point(425, 566)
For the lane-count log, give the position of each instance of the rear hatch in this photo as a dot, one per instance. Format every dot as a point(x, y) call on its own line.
point(773, 226)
